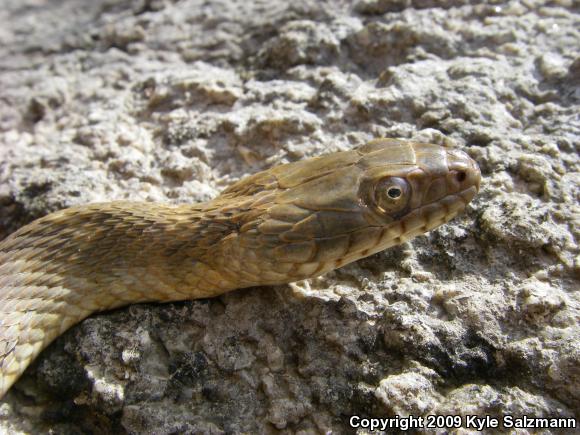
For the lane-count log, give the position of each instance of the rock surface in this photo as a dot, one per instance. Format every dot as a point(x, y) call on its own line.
point(165, 100)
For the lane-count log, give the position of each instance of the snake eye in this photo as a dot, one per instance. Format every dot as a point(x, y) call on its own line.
point(392, 194)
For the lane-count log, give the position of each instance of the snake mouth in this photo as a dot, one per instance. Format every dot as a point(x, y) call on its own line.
point(417, 222)
point(422, 219)
point(442, 197)
point(425, 218)
point(439, 212)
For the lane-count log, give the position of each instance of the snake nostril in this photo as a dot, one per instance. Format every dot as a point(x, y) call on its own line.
point(460, 176)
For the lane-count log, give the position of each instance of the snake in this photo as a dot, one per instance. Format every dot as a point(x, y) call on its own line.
point(289, 223)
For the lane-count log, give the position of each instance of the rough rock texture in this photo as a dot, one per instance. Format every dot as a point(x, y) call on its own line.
point(166, 100)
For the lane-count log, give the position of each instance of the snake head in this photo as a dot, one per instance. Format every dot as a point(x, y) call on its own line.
point(321, 213)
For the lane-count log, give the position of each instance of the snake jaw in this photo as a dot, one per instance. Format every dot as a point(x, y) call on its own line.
point(443, 182)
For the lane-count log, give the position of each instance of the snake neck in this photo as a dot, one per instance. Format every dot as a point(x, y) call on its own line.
point(107, 255)
point(60, 269)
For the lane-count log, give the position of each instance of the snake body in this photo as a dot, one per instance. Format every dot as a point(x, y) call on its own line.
point(288, 223)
